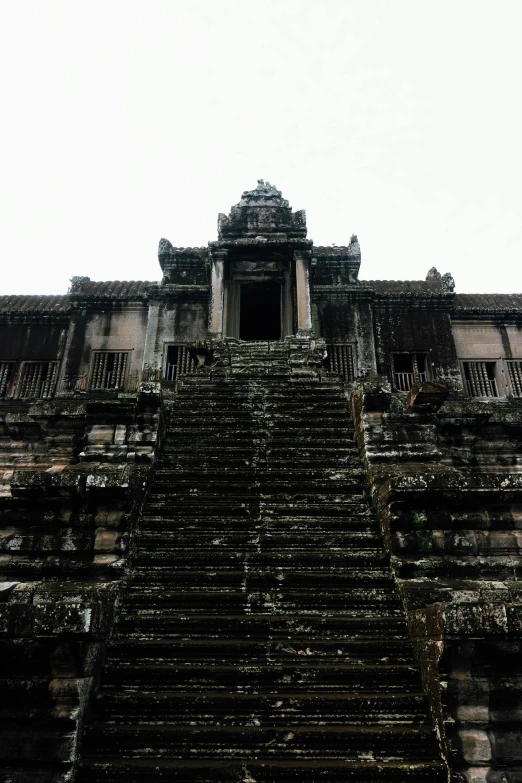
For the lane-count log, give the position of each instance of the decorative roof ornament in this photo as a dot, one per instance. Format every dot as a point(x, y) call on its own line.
point(262, 214)
point(77, 282)
point(354, 248)
point(264, 194)
point(164, 247)
point(446, 282)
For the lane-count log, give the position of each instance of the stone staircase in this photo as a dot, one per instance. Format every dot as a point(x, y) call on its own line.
point(261, 638)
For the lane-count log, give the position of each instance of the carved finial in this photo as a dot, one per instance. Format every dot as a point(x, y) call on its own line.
point(433, 275)
point(260, 182)
point(77, 284)
point(164, 247)
point(448, 282)
point(354, 248)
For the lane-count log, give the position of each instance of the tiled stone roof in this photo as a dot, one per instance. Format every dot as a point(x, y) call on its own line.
point(491, 302)
point(114, 289)
point(20, 303)
point(110, 289)
point(404, 286)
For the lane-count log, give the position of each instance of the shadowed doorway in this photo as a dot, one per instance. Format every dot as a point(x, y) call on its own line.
point(260, 311)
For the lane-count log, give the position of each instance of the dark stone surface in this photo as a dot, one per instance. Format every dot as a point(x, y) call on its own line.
point(257, 546)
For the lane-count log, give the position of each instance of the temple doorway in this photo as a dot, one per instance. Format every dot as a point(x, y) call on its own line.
point(260, 311)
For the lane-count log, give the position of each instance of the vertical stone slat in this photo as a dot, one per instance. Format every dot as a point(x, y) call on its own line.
point(485, 380)
point(5, 377)
point(24, 380)
point(123, 369)
point(116, 372)
point(345, 369)
point(340, 360)
point(30, 375)
point(337, 367)
point(515, 377)
point(48, 386)
point(102, 382)
point(97, 362)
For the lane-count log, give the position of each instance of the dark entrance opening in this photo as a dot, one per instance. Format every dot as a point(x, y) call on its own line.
point(260, 311)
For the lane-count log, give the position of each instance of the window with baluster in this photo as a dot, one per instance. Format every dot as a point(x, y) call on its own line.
point(37, 380)
point(179, 361)
point(409, 368)
point(481, 378)
point(341, 360)
point(108, 370)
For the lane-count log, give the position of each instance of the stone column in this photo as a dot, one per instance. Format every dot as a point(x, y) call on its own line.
point(302, 277)
point(215, 321)
point(152, 357)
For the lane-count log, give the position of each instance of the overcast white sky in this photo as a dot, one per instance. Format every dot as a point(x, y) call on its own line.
point(125, 121)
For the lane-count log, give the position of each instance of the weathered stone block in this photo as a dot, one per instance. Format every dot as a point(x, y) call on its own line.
point(56, 619)
point(100, 434)
point(475, 745)
point(106, 540)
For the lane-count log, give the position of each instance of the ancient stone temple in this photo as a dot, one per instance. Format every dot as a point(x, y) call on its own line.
point(261, 522)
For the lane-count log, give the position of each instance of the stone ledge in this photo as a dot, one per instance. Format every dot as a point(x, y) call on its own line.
point(53, 619)
point(478, 620)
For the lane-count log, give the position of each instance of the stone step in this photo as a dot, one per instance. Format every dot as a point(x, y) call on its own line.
point(293, 473)
point(255, 493)
point(220, 377)
point(187, 433)
point(191, 596)
point(222, 770)
point(331, 581)
point(262, 407)
point(274, 416)
point(218, 623)
point(192, 450)
point(285, 450)
point(153, 541)
point(195, 601)
point(261, 637)
point(384, 742)
point(206, 417)
point(259, 390)
point(126, 680)
point(188, 505)
point(240, 485)
point(228, 399)
point(243, 468)
point(274, 559)
point(277, 386)
point(296, 649)
point(180, 521)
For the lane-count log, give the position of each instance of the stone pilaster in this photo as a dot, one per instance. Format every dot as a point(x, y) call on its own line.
point(302, 276)
point(217, 260)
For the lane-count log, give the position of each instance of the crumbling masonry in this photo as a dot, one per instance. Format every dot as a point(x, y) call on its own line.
point(261, 522)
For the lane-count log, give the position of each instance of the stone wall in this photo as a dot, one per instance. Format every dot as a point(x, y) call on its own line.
point(446, 479)
point(74, 473)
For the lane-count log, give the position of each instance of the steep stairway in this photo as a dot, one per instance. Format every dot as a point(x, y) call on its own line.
point(262, 638)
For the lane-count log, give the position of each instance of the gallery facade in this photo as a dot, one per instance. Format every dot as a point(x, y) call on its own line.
point(261, 520)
